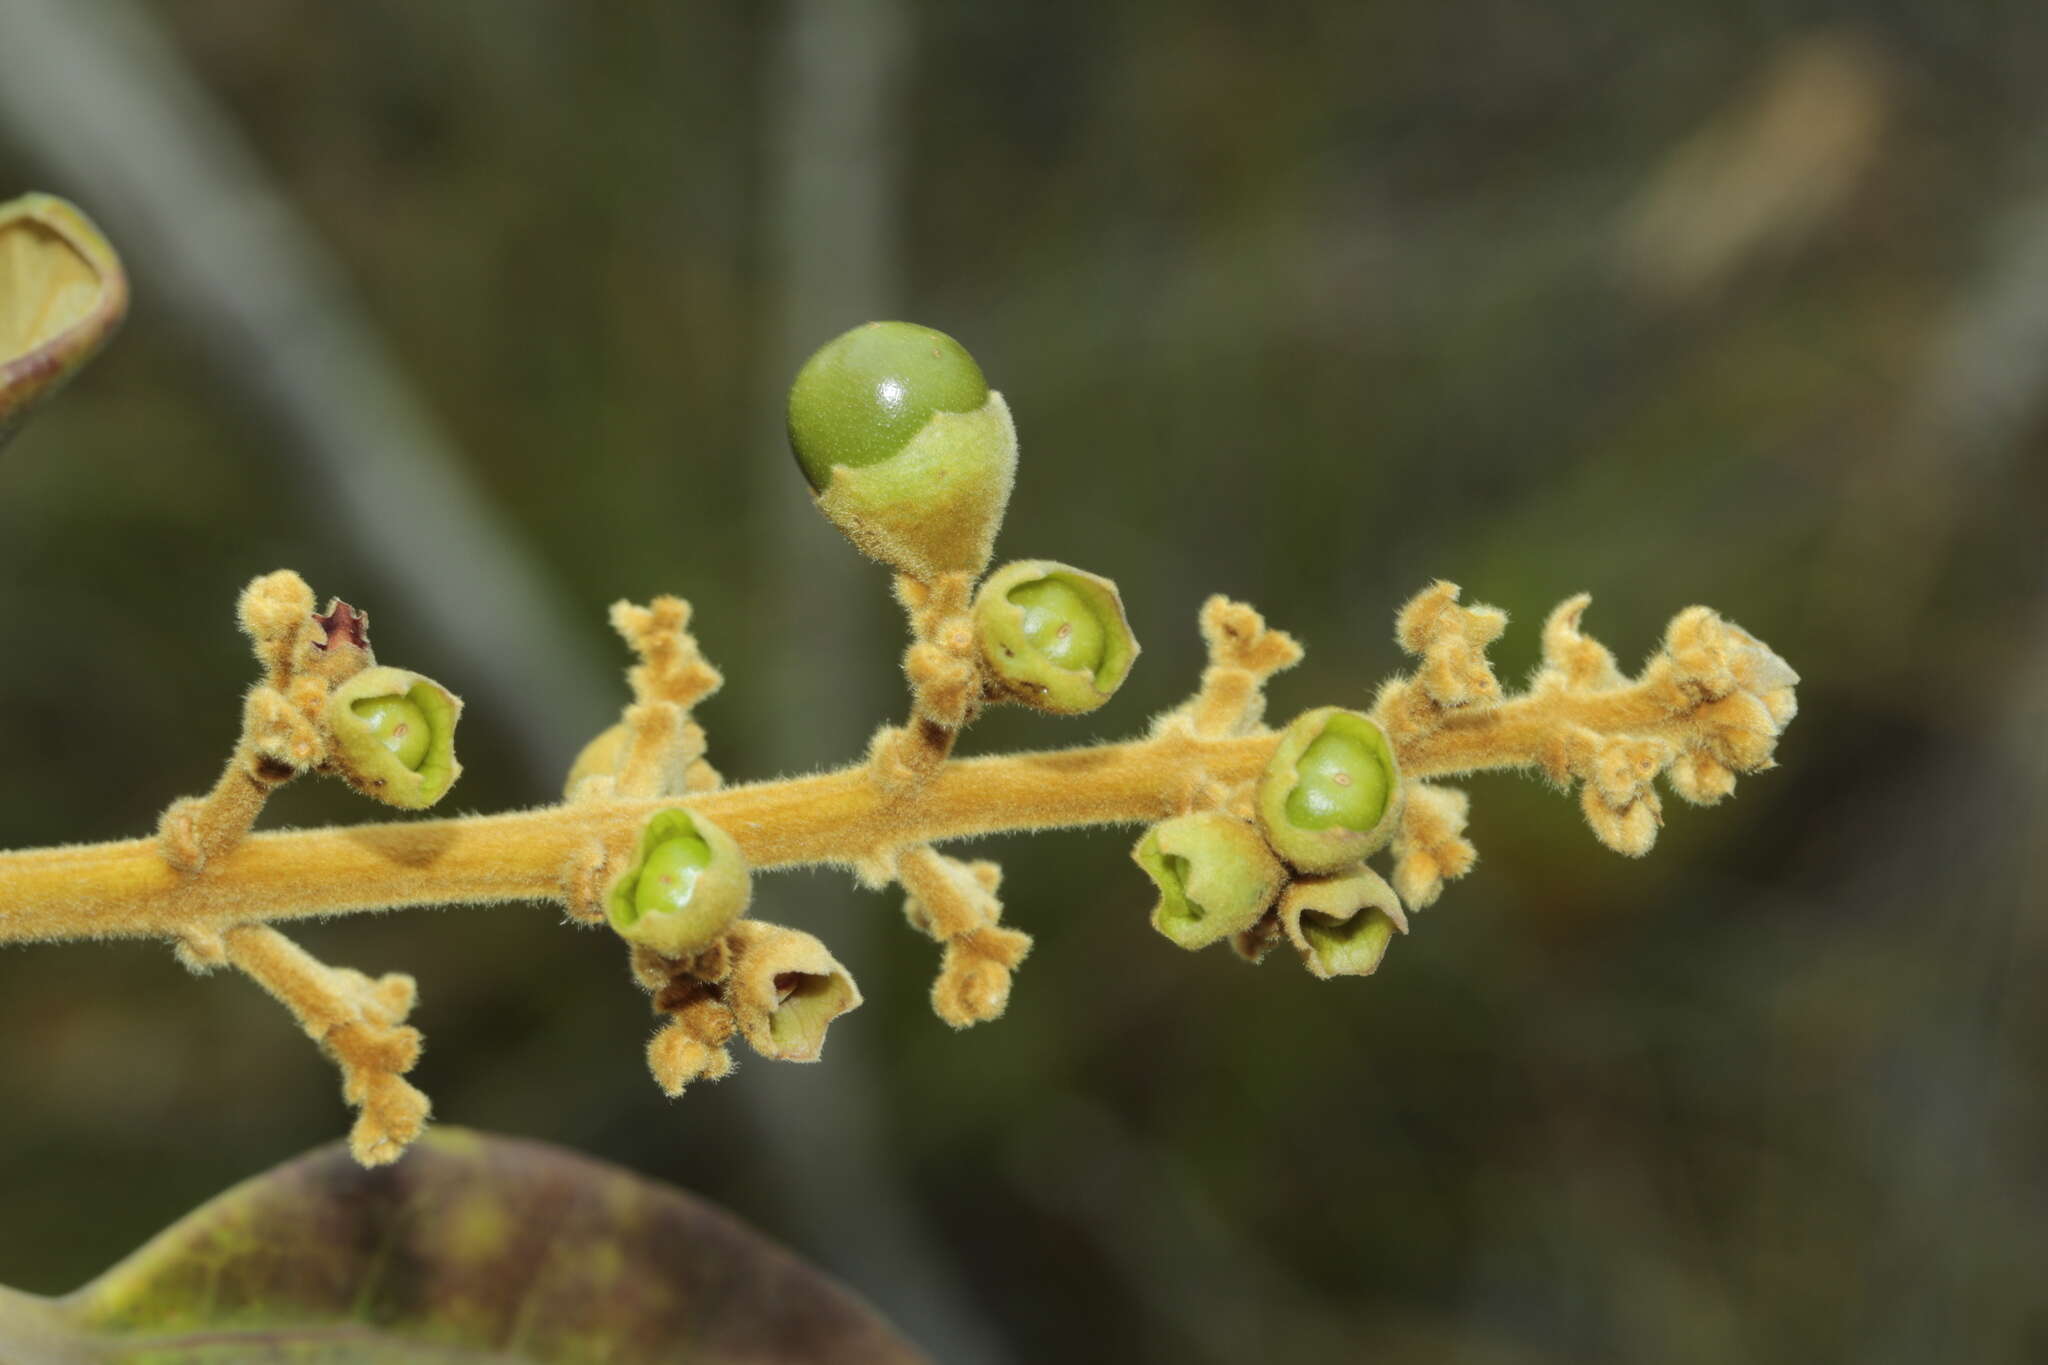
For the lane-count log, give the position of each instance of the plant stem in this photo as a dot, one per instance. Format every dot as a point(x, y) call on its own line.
point(125, 889)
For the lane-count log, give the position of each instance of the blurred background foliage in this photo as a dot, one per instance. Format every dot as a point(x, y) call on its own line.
point(1744, 304)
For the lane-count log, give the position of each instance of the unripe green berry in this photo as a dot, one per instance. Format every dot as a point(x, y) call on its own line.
point(687, 882)
point(1054, 637)
point(668, 879)
point(1339, 781)
point(861, 396)
point(599, 758)
point(905, 447)
point(398, 725)
point(1331, 792)
point(393, 736)
point(1214, 874)
point(1061, 623)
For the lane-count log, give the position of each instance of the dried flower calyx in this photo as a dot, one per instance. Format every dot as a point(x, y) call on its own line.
point(1214, 874)
point(1341, 924)
point(785, 989)
point(62, 295)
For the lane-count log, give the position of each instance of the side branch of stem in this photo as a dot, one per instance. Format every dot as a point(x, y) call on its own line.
point(1523, 731)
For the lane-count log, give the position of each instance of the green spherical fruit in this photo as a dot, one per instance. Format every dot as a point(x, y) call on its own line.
point(399, 725)
point(1331, 791)
point(1341, 782)
point(392, 736)
point(668, 879)
point(864, 394)
point(1054, 637)
point(687, 882)
point(1063, 624)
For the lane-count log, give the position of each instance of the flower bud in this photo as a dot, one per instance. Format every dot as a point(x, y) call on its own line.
point(686, 885)
point(62, 294)
point(394, 736)
point(1214, 873)
point(683, 1051)
point(599, 758)
point(785, 989)
point(1341, 924)
point(906, 448)
point(1331, 792)
point(1055, 637)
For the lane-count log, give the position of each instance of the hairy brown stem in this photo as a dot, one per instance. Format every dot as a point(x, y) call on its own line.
point(1524, 732)
point(125, 889)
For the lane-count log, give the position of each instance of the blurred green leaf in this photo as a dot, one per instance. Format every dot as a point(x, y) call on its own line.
point(470, 1248)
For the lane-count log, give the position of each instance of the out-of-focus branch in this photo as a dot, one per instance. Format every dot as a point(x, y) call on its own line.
point(832, 160)
point(94, 91)
point(1767, 175)
point(1984, 392)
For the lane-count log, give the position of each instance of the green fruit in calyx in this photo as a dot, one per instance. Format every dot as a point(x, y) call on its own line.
point(1054, 637)
point(687, 882)
point(399, 725)
point(861, 397)
point(1061, 623)
point(906, 448)
point(1339, 781)
point(1331, 792)
point(668, 880)
point(393, 736)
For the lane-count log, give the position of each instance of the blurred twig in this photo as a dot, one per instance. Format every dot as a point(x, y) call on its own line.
point(94, 91)
point(1952, 1153)
point(1978, 802)
point(1766, 175)
point(834, 132)
point(1984, 395)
